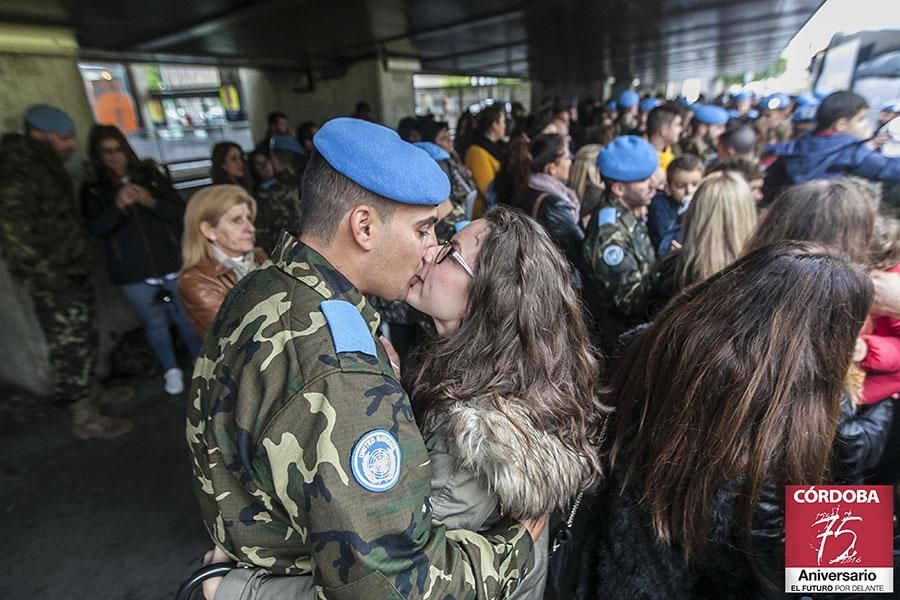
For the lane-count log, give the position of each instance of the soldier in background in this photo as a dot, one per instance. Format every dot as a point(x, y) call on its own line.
point(306, 455)
point(46, 247)
point(278, 199)
point(618, 254)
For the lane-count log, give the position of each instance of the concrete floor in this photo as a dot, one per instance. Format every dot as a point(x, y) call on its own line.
point(103, 518)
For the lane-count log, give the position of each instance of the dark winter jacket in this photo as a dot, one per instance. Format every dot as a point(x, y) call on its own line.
point(558, 218)
point(823, 155)
point(140, 242)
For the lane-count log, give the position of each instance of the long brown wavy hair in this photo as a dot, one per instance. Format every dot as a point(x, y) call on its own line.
point(523, 336)
point(739, 379)
point(833, 212)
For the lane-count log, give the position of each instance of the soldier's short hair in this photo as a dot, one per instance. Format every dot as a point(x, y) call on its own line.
point(328, 195)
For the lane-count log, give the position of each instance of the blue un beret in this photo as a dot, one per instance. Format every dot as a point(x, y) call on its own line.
point(805, 113)
point(433, 150)
point(649, 104)
point(286, 142)
point(807, 99)
point(628, 98)
point(775, 102)
point(892, 106)
point(628, 158)
point(375, 158)
point(49, 118)
point(742, 97)
point(710, 115)
point(611, 105)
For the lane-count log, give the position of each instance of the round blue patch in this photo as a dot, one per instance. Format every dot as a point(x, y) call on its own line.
point(613, 255)
point(376, 460)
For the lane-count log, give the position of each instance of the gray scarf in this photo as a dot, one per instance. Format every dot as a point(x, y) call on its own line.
point(242, 265)
point(544, 183)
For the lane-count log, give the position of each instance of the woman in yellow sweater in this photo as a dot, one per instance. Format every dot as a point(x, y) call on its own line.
point(484, 155)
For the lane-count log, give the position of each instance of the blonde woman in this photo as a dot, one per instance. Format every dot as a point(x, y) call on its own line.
point(717, 225)
point(584, 178)
point(218, 250)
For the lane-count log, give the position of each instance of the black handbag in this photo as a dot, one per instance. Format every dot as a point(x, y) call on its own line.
point(563, 559)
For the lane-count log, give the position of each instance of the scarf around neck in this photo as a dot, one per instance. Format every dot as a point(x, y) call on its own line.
point(545, 183)
point(242, 265)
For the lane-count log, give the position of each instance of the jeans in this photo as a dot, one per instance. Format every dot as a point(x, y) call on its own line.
point(157, 316)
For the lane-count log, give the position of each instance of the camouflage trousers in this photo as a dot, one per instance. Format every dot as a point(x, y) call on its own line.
point(67, 319)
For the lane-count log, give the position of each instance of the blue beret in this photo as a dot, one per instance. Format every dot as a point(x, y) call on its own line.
point(286, 142)
point(742, 97)
point(752, 113)
point(775, 102)
point(805, 113)
point(733, 113)
point(710, 115)
point(628, 98)
point(628, 158)
point(649, 104)
point(375, 158)
point(49, 118)
point(807, 99)
point(611, 105)
point(892, 106)
point(433, 150)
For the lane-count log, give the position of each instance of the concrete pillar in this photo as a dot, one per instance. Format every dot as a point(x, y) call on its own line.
point(389, 91)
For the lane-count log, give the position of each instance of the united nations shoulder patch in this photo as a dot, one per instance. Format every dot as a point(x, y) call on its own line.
point(613, 255)
point(376, 460)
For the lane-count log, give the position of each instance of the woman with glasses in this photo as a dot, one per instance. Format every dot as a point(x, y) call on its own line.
point(505, 394)
point(138, 215)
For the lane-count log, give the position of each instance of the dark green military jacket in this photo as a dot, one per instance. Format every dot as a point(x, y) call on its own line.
point(307, 459)
point(43, 237)
point(620, 268)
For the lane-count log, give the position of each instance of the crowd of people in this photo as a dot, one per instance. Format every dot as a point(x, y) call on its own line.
point(572, 354)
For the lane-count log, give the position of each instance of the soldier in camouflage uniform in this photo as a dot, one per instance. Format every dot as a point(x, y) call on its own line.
point(278, 199)
point(47, 249)
point(708, 124)
point(618, 255)
point(306, 456)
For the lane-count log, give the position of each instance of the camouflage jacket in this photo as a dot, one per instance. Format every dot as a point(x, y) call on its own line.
point(619, 260)
point(288, 437)
point(43, 237)
point(462, 195)
point(688, 146)
point(277, 210)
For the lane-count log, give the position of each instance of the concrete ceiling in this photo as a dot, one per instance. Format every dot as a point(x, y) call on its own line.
point(554, 41)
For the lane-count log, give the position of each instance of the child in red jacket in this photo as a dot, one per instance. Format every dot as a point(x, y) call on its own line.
point(881, 334)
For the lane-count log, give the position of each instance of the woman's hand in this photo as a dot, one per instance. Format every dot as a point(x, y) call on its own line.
point(131, 193)
point(211, 586)
point(392, 354)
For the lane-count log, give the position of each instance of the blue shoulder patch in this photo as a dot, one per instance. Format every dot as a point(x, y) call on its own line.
point(607, 216)
point(349, 331)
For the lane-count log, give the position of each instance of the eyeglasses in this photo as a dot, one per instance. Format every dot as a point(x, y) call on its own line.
point(447, 249)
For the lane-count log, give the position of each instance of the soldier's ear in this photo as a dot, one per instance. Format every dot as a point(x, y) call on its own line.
point(362, 219)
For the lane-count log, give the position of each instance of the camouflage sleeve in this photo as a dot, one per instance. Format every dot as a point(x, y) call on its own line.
point(366, 515)
point(19, 243)
point(615, 269)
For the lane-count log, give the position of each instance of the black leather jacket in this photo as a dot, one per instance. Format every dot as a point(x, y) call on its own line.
point(556, 216)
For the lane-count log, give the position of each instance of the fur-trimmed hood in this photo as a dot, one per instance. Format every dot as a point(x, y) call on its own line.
point(531, 472)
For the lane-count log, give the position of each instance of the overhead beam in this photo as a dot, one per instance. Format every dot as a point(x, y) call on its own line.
point(209, 25)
